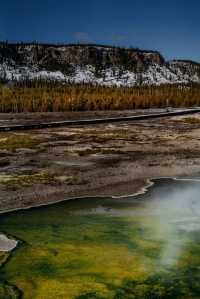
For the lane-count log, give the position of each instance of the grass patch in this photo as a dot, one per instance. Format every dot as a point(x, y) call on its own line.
point(12, 142)
point(191, 120)
point(43, 177)
point(16, 181)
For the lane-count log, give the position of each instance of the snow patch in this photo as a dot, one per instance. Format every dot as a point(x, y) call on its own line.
point(155, 74)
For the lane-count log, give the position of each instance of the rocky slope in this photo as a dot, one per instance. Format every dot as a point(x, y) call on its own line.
point(92, 64)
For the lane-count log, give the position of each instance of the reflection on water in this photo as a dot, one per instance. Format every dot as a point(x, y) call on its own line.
point(110, 247)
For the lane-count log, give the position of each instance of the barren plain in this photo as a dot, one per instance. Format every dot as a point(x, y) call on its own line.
point(49, 165)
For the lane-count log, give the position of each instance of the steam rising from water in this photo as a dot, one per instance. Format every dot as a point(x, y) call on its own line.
point(177, 214)
point(172, 214)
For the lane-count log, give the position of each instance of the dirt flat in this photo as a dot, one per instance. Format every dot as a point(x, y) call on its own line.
point(48, 165)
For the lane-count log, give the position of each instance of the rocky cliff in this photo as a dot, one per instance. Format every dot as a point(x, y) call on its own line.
point(96, 64)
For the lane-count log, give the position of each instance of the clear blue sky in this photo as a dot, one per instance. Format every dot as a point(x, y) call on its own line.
point(172, 27)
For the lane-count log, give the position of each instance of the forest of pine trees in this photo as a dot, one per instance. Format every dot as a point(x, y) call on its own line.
point(39, 96)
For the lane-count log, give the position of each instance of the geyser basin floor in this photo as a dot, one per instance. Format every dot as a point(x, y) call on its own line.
point(146, 246)
point(45, 166)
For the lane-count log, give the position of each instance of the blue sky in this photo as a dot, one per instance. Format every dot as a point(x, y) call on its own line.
point(172, 27)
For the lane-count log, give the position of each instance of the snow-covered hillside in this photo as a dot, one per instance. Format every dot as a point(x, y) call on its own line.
point(93, 64)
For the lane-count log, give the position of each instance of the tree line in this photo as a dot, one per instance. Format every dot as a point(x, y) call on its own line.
point(40, 96)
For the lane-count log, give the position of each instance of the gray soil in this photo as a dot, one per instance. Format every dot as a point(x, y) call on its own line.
point(44, 166)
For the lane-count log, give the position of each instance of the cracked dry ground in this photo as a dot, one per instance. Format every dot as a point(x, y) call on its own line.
point(44, 166)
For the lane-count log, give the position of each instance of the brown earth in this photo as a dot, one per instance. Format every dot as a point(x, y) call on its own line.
point(44, 166)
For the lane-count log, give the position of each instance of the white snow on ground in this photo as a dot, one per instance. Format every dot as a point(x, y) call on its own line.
point(154, 75)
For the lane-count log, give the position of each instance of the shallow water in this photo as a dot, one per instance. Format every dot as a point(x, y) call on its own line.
point(146, 246)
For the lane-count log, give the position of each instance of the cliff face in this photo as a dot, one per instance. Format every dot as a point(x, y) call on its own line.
point(92, 63)
point(45, 56)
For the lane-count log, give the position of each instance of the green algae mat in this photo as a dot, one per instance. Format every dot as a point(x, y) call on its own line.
point(142, 247)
